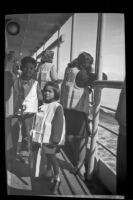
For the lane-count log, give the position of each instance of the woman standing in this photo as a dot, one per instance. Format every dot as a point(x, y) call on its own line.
point(47, 71)
point(75, 100)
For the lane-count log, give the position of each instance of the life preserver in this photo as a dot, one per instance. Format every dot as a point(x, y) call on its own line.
point(73, 97)
point(41, 128)
point(31, 101)
point(45, 69)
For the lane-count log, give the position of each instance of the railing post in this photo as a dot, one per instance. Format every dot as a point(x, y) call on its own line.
point(97, 100)
point(72, 37)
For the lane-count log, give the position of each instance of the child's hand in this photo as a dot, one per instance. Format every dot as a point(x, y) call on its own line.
point(40, 109)
point(51, 144)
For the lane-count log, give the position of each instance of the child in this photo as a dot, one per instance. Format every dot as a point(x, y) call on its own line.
point(27, 94)
point(47, 70)
point(49, 129)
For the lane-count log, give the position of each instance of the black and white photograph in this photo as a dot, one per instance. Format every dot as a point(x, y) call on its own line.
point(65, 105)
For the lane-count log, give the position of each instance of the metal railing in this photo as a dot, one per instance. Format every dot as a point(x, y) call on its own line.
point(111, 85)
point(109, 130)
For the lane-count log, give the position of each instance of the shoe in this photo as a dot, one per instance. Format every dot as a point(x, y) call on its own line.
point(75, 170)
point(55, 186)
point(20, 159)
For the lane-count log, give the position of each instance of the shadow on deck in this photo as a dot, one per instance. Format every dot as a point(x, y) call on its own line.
point(21, 182)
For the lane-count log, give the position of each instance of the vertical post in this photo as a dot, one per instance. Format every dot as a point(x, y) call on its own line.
point(72, 37)
point(58, 51)
point(97, 99)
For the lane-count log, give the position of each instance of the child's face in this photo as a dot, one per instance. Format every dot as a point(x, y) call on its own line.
point(48, 94)
point(29, 70)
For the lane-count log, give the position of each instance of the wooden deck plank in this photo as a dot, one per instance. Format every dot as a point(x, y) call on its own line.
point(22, 181)
point(64, 187)
point(77, 176)
point(75, 183)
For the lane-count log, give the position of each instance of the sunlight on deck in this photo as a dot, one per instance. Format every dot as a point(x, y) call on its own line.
point(23, 183)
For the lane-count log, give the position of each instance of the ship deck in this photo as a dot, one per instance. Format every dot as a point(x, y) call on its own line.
point(20, 181)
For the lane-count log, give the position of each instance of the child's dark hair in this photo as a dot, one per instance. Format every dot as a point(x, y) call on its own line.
point(85, 56)
point(55, 87)
point(26, 60)
point(74, 63)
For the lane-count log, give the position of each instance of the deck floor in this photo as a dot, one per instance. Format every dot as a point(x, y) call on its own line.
point(20, 181)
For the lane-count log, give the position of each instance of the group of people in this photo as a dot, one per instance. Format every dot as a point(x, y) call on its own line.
point(50, 116)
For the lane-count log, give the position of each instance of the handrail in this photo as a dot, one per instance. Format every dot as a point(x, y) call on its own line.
point(98, 85)
point(113, 132)
point(107, 84)
point(111, 109)
point(108, 129)
point(106, 148)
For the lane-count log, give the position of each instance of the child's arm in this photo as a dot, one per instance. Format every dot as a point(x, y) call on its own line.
point(57, 126)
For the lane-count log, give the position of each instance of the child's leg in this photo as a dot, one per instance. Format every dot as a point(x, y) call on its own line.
point(56, 179)
point(52, 161)
point(55, 166)
point(80, 145)
point(49, 163)
point(28, 126)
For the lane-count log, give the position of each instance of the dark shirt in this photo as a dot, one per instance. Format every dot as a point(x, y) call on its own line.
point(57, 126)
point(84, 79)
point(8, 85)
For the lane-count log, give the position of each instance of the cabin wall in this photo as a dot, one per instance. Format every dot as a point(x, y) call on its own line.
point(85, 28)
point(85, 34)
point(106, 176)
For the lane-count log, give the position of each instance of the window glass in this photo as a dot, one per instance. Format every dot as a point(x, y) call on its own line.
point(114, 46)
point(64, 50)
point(85, 33)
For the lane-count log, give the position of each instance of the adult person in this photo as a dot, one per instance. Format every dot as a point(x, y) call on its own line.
point(8, 99)
point(47, 71)
point(10, 62)
point(121, 167)
point(27, 95)
point(75, 100)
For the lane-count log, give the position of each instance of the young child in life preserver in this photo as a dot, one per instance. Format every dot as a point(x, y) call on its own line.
point(27, 95)
point(49, 131)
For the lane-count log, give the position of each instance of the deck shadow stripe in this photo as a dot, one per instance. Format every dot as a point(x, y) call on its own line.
point(82, 184)
point(78, 190)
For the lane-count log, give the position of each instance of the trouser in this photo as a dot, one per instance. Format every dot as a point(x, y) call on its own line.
point(26, 127)
point(121, 167)
point(15, 133)
point(49, 153)
point(45, 159)
point(9, 147)
point(78, 148)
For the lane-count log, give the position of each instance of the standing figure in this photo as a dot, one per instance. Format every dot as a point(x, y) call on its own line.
point(121, 166)
point(27, 95)
point(75, 100)
point(49, 132)
point(10, 63)
point(8, 99)
point(46, 71)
